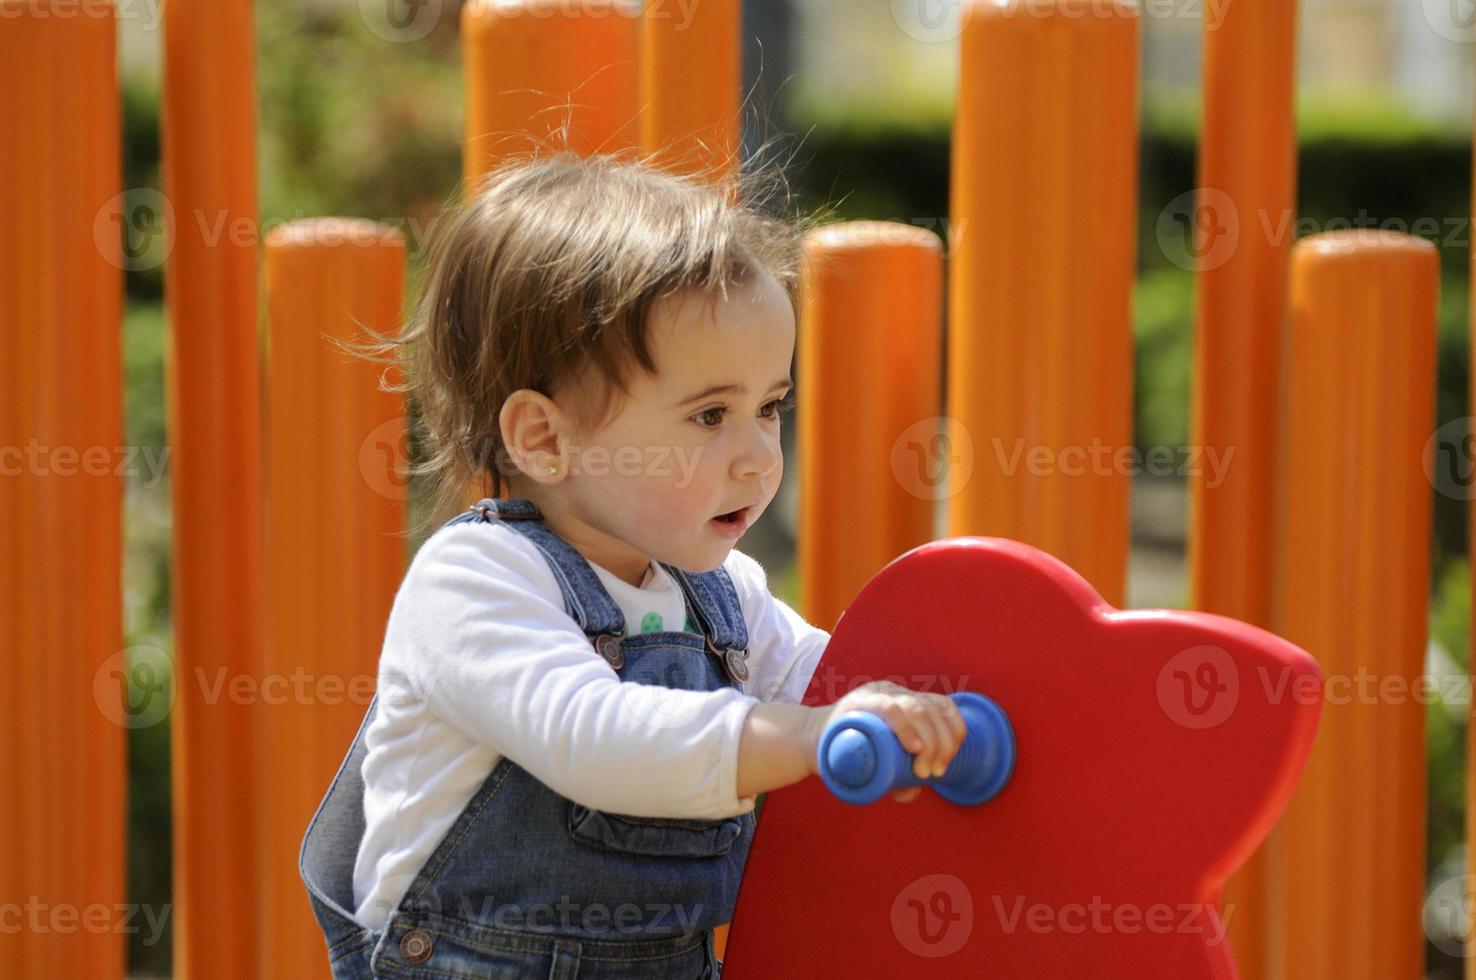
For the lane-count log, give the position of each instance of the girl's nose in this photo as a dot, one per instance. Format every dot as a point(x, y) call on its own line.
point(760, 453)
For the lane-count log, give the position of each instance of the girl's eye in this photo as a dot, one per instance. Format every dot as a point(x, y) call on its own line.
point(782, 406)
point(775, 409)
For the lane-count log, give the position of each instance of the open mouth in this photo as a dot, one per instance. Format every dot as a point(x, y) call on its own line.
point(734, 519)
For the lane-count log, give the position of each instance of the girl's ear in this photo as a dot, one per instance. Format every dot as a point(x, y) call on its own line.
point(533, 433)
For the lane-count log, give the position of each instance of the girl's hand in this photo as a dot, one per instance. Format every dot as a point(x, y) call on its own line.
point(929, 726)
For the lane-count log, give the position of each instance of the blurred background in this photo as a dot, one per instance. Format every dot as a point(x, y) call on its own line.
point(861, 95)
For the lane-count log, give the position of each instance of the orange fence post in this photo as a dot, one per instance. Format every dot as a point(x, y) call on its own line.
point(1247, 184)
point(691, 74)
point(540, 71)
point(1044, 217)
point(214, 406)
point(1348, 858)
point(868, 396)
point(336, 519)
point(64, 816)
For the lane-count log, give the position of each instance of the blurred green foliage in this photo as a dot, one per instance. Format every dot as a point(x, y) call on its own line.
point(1450, 630)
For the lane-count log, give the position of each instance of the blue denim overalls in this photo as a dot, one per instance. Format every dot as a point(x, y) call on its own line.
point(528, 883)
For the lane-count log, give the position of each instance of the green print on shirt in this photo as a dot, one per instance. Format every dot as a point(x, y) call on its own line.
point(653, 623)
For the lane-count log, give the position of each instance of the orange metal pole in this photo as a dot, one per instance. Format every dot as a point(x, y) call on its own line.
point(869, 394)
point(335, 538)
point(1247, 181)
point(691, 74)
point(214, 402)
point(1358, 410)
point(1040, 345)
point(61, 425)
point(541, 73)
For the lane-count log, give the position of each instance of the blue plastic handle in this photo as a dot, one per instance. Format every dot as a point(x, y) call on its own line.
point(861, 759)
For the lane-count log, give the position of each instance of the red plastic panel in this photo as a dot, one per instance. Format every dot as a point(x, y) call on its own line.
point(1156, 750)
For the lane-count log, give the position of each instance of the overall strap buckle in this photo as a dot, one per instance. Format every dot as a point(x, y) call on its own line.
point(486, 510)
point(734, 660)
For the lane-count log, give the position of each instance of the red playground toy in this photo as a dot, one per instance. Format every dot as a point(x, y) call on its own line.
point(1153, 750)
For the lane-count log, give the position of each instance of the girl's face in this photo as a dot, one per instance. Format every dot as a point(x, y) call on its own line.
point(697, 440)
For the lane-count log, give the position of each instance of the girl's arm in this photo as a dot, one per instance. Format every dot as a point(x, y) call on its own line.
point(777, 748)
point(780, 741)
point(479, 639)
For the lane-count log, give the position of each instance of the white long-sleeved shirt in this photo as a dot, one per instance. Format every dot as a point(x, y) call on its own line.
point(481, 661)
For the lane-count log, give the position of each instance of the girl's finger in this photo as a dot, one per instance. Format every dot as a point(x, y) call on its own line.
point(926, 735)
point(948, 742)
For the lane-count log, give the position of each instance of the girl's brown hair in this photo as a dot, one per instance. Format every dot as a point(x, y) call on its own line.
point(551, 269)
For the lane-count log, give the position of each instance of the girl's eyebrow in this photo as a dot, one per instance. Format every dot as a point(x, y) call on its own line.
point(734, 388)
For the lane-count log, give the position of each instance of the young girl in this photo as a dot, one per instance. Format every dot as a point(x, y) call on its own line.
point(584, 686)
